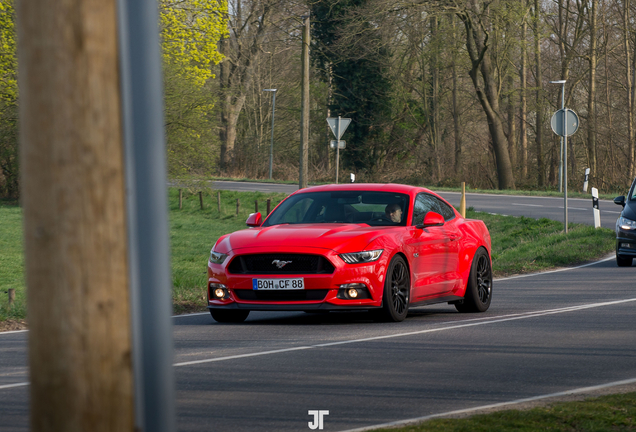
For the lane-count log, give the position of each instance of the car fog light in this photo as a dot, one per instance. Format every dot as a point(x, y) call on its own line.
point(219, 293)
point(353, 293)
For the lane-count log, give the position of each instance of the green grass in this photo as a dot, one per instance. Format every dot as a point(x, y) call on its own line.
point(520, 245)
point(606, 413)
point(193, 232)
point(11, 262)
point(525, 245)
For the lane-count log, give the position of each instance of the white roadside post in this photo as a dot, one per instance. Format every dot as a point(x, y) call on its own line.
point(586, 180)
point(353, 178)
point(596, 210)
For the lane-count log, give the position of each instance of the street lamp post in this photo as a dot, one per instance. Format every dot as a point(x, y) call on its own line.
point(271, 147)
point(564, 153)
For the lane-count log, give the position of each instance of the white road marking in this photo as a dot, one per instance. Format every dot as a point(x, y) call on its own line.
point(501, 279)
point(609, 258)
point(528, 205)
point(13, 331)
point(494, 320)
point(461, 324)
point(496, 405)
point(6, 386)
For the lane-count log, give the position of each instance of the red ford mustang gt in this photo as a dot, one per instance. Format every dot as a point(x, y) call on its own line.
point(377, 247)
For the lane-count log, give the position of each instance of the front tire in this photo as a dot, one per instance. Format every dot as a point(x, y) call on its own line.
point(229, 316)
point(397, 289)
point(623, 261)
point(479, 288)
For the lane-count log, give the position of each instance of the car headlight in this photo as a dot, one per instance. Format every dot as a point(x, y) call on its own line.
point(217, 257)
point(626, 224)
point(361, 257)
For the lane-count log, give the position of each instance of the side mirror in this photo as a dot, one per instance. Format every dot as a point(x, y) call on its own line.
point(620, 201)
point(431, 219)
point(254, 220)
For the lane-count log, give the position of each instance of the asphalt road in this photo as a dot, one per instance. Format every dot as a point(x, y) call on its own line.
point(543, 334)
point(579, 210)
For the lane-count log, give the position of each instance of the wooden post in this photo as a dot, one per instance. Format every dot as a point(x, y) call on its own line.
point(255, 206)
point(218, 201)
point(201, 199)
point(11, 296)
point(180, 199)
point(238, 203)
point(269, 203)
point(75, 223)
point(462, 203)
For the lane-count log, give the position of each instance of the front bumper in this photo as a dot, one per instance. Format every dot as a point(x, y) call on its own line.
point(325, 288)
point(625, 241)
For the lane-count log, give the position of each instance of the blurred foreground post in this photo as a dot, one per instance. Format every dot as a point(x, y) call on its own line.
point(75, 232)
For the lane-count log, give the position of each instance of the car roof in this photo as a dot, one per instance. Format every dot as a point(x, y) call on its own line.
point(380, 187)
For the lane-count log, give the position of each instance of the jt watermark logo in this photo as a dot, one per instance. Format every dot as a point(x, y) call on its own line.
point(318, 418)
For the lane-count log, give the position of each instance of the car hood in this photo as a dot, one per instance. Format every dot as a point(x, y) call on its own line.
point(337, 237)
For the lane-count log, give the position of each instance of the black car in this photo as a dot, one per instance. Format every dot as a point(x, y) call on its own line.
point(626, 228)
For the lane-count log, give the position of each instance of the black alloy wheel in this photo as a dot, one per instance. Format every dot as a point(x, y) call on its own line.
point(397, 288)
point(229, 315)
point(479, 289)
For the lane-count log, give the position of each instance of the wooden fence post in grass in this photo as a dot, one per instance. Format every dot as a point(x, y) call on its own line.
point(201, 199)
point(238, 203)
point(462, 202)
point(180, 199)
point(255, 206)
point(269, 203)
point(218, 201)
point(11, 296)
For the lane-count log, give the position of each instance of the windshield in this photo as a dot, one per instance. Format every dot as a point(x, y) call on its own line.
point(352, 207)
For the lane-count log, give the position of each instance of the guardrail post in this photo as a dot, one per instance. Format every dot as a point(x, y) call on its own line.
point(269, 204)
point(201, 199)
point(180, 199)
point(11, 296)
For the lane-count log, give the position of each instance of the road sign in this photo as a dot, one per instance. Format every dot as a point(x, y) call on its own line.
point(333, 124)
point(572, 121)
point(341, 144)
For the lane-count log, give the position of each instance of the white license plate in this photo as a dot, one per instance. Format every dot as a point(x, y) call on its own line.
point(278, 284)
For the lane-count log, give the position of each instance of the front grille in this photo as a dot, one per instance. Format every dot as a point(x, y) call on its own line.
point(283, 295)
point(265, 264)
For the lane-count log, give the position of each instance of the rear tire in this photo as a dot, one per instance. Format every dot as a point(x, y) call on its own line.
point(229, 316)
point(397, 289)
point(479, 288)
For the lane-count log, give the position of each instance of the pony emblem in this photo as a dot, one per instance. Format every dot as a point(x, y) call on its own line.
point(280, 264)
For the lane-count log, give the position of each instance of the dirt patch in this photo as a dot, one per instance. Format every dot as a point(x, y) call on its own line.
point(12, 325)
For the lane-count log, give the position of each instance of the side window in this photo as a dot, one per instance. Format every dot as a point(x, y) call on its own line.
point(444, 210)
point(424, 203)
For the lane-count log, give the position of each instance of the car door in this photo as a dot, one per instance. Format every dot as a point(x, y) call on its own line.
point(429, 249)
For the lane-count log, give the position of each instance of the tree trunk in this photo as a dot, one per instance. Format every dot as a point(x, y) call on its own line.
point(512, 142)
point(539, 93)
point(629, 84)
point(456, 128)
point(523, 109)
point(591, 96)
point(435, 124)
point(476, 37)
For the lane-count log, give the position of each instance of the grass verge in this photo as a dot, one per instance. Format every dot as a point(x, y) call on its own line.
point(520, 245)
point(605, 413)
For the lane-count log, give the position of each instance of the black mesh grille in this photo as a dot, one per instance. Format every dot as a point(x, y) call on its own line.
point(282, 295)
point(267, 264)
